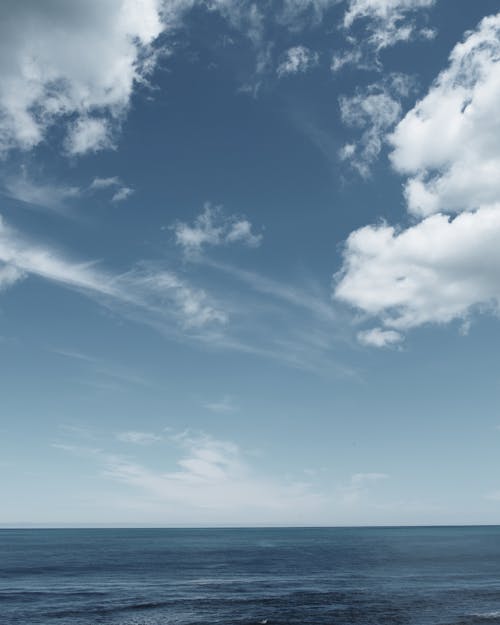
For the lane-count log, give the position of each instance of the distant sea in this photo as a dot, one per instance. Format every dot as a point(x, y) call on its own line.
point(368, 576)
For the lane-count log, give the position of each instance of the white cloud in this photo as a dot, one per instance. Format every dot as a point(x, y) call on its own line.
point(213, 228)
point(120, 191)
point(9, 275)
point(388, 21)
point(56, 197)
point(105, 183)
point(154, 287)
point(346, 57)
point(383, 23)
point(436, 271)
point(138, 438)
point(374, 110)
point(448, 141)
point(441, 268)
point(298, 59)
point(385, 10)
point(378, 337)
point(79, 60)
point(122, 194)
point(211, 481)
point(88, 135)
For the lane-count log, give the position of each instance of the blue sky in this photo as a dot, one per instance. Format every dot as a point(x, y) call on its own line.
point(249, 262)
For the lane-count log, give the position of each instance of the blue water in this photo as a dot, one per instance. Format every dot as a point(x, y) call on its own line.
point(249, 576)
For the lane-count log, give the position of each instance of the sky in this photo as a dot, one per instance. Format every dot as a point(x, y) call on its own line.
point(249, 262)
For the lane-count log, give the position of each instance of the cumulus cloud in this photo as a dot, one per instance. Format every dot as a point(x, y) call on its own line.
point(445, 266)
point(74, 63)
point(373, 110)
point(297, 60)
point(436, 271)
point(213, 228)
point(448, 142)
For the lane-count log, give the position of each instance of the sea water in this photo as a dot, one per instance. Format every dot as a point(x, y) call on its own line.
point(337, 576)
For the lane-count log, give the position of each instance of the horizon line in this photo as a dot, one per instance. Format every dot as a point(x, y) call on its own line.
point(55, 526)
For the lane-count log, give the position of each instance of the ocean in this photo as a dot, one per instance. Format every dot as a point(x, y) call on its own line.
point(335, 576)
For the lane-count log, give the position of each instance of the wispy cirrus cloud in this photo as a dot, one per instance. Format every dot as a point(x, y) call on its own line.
point(195, 475)
point(59, 198)
point(207, 477)
point(50, 196)
point(159, 295)
point(231, 316)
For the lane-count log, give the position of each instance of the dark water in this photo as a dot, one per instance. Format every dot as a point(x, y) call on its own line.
point(250, 576)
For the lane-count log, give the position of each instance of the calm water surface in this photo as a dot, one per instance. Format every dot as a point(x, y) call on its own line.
point(375, 576)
